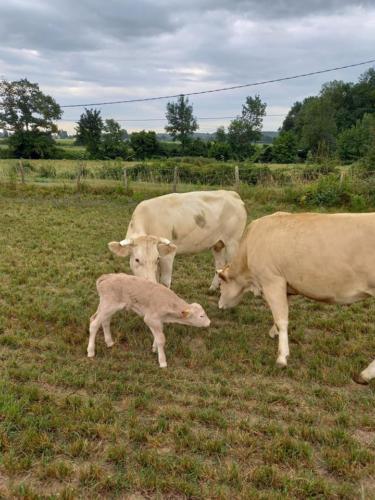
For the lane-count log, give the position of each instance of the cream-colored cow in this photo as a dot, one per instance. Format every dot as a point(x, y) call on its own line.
point(325, 257)
point(182, 223)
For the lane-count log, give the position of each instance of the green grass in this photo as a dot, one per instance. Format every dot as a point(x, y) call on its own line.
point(221, 422)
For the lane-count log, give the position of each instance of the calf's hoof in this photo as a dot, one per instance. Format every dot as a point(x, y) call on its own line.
point(163, 365)
point(110, 344)
point(281, 362)
point(91, 354)
point(359, 379)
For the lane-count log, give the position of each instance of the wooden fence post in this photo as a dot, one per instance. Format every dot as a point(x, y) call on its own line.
point(126, 185)
point(80, 172)
point(342, 175)
point(22, 171)
point(236, 177)
point(175, 178)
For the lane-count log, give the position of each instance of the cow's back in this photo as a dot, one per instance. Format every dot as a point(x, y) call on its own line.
point(328, 257)
point(193, 221)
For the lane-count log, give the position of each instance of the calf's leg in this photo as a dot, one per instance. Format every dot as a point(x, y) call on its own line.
point(218, 251)
point(102, 317)
point(156, 328)
point(154, 346)
point(106, 324)
point(276, 297)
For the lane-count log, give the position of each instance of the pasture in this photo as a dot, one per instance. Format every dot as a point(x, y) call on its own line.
point(222, 421)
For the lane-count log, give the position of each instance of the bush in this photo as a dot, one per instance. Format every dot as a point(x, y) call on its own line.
point(255, 175)
point(329, 191)
point(70, 154)
point(284, 148)
point(312, 172)
point(32, 144)
point(221, 151)
point(47, 171)
point(110, 171)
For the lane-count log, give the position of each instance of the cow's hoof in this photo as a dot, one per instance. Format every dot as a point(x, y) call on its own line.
point(110, 344)
point(274, 332)
point(163, 365)
point(90, 354)
point(359, 379)
point(281, 362)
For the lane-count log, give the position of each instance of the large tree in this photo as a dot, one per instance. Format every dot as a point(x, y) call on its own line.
point(144, 144)
point(246, 129)
point(113, 143)
point(181, 122)
point(29, 115)
point(89, 131)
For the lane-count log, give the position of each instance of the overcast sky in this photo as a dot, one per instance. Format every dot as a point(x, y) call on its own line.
point(93, 50)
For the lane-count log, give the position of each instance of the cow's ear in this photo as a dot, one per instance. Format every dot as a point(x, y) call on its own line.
point(122, 249)
point(222, 275)
point(165, 249)
point(185, 313)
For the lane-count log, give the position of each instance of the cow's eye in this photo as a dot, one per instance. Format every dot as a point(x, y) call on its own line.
point(137, 261)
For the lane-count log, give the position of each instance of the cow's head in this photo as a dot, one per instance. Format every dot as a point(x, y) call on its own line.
point(145, 253)
point(231, 288)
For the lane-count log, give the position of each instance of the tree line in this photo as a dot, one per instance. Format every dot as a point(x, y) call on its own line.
point(337, 123)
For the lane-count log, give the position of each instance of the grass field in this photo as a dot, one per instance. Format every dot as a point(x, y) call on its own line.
point(222, 421)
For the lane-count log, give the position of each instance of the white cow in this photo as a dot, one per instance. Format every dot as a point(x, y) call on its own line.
point(325, 257)
point(182, 223)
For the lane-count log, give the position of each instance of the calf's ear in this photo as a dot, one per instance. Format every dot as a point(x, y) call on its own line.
point(185, 313)
point(165, 249)
point(120, 249)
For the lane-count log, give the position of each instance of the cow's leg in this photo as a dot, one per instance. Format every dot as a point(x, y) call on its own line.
point(274, 332)
point(156, 328)
point(166, 267)
point(276, 297)
point(218, 251)
point(366, 375)
point(231, 250)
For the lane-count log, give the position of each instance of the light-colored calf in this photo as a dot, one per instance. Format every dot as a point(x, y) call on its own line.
point(152, 301)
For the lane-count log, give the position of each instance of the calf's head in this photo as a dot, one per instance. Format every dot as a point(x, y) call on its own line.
point(145, 253)
point(194, 315)
point(231, 289)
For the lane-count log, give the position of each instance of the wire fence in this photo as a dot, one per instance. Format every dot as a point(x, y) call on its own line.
point(219, 174)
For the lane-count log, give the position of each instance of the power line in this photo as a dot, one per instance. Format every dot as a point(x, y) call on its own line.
point(165, 119)
point(302, 75)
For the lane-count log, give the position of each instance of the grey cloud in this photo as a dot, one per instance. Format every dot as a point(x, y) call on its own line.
point(90, 51)
point(276, 9)
point(80, 25)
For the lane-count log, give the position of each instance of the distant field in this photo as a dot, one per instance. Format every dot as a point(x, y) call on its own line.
point(222, 421)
